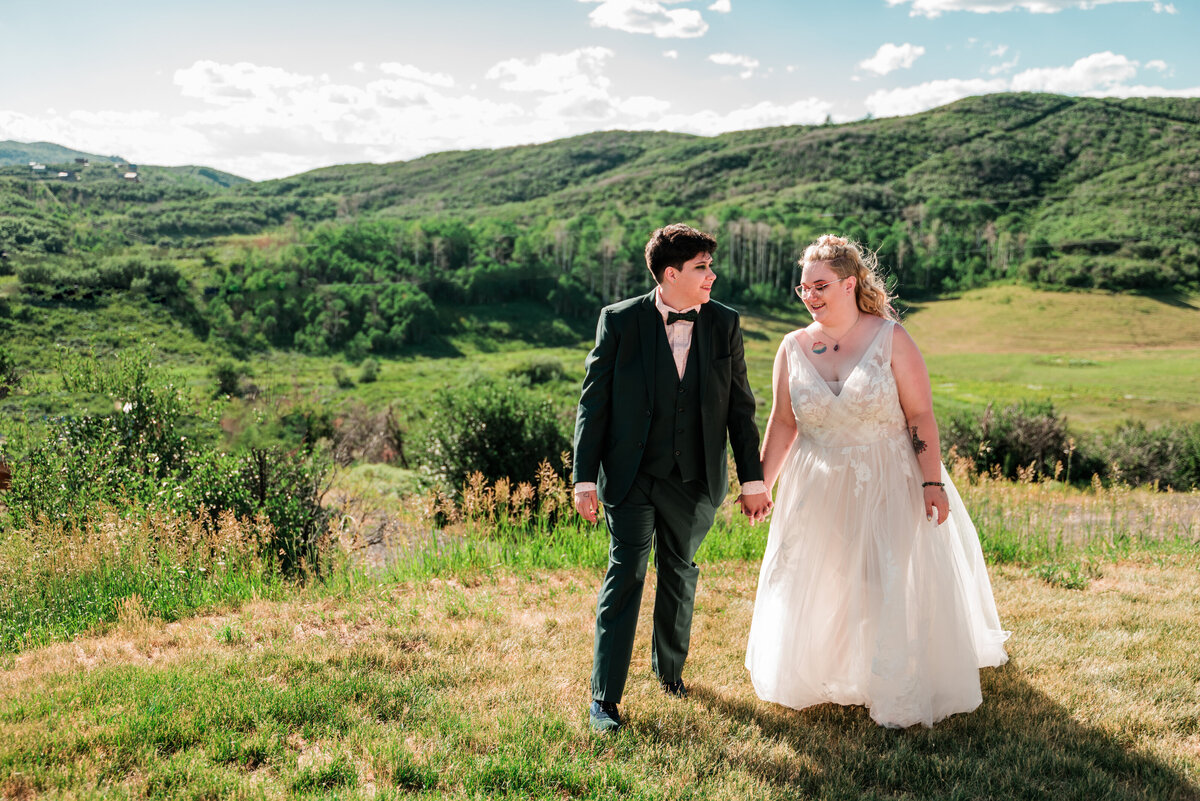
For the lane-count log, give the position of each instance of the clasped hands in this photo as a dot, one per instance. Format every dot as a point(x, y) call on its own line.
point(756, 507)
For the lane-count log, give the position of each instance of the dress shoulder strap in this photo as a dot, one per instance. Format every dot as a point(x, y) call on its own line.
point(885, 347)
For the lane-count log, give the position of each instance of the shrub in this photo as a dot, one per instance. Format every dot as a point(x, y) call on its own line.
point(150, 451)
point(368, 371)
point(341, 377)
point(1016, 439)
point(228, 377)
point(10, 376)
point(1168, 456)
point(539, 371)
point(493, 427)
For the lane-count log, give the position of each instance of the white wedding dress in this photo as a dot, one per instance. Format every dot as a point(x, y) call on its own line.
point(861, 600)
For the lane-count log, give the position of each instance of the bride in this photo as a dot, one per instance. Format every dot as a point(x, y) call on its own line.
point(873, 588)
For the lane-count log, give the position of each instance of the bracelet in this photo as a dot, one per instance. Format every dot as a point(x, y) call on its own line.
point(932, 484)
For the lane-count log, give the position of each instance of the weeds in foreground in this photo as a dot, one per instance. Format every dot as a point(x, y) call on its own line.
point(1031, 521)
point(62, 579)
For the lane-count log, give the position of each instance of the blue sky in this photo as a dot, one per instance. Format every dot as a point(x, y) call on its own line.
point(268, 89)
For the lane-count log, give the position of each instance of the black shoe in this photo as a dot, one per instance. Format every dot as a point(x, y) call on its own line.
point(674, 688)
point(604, 716)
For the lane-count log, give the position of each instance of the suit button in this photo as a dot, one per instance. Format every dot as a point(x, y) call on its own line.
point(641, 444)
point(681, 390)
point(676, 453)
point(647, 412)
point(681, 408)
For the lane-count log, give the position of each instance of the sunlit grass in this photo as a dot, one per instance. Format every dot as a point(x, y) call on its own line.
point(476, 686)
point(58, 581)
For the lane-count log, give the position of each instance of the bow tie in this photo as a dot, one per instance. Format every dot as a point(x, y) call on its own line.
point(687, 316)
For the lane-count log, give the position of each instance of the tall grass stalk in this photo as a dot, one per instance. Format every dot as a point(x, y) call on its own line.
point(58, 580)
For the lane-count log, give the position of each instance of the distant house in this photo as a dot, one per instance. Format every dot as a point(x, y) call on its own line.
point(37, 167)
point(131, 176)
point(83, 162)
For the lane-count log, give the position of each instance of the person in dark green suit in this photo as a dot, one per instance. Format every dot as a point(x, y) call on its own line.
point(665, 390)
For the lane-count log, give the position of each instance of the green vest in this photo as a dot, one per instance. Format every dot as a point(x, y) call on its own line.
point(675, 437)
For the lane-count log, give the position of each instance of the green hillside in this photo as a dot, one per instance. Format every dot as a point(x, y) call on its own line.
point(21, 153)
point(471, 252)
point(1044, 188)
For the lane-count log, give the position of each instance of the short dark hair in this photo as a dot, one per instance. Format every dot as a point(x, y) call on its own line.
point(672, 245)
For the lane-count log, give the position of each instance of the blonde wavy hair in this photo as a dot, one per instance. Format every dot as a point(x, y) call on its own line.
point(846, 258)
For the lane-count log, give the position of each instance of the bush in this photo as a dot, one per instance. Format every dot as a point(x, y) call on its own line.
point(1022, 437)
point(341, 377)
point(228, 377)
point(493, 427)
point(10, 376)
point(1168, 456)
point(150, 451)
point(539, 371)
point(368, 371)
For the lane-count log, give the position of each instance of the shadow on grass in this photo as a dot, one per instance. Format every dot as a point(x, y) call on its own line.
point(1019, 744)
point(1174, 298)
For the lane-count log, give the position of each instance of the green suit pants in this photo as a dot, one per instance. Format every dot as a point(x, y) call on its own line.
point(674, 517)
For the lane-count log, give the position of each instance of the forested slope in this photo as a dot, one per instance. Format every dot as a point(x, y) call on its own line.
point(366, 258)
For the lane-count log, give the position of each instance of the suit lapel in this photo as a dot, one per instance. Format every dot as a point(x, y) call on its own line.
point(701, 342)
point(647, 320)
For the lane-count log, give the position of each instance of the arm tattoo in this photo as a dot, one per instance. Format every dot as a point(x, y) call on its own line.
point(917, 443)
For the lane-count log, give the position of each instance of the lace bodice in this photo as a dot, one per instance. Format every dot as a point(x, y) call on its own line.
point(865, 411)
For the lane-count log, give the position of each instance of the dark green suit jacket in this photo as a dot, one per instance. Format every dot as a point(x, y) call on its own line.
point(617, 401)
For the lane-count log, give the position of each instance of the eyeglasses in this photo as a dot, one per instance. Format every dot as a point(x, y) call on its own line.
point(816, 289)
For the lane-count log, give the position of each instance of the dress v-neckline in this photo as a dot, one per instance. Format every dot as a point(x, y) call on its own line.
point(861, 358)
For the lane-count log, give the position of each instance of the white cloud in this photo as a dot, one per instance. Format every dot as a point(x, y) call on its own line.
point(1097, 71)
point(648, 16)
point(232, 83)
point(999, 51)
point(1005, 67)
point(810, 111)
point(1169, 8)
point(358, 66)
point(721, 7)
point(912, 99)
point(670, 54)
point(554, 72)
point(412, 73)
point(748, 64)
point(1157, 64)
point(1098, 75)
point(890, 57)
point(1144, 91)
point(935, 8)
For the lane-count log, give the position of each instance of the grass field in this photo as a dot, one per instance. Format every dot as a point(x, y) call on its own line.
point(458, 666)
point(1101, 358)
point(474, 686)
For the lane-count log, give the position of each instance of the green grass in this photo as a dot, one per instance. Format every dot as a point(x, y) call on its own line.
point(476, 687)
point(1101, 358)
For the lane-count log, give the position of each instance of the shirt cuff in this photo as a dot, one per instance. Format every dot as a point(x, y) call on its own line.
point(585, 486)
point(753, 488)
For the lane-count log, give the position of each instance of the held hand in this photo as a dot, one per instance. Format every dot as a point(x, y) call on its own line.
point(937, 504)
point(756, 507)
point(587, 504)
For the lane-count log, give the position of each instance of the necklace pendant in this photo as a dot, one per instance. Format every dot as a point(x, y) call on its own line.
point(818, 347)
point(835, 347)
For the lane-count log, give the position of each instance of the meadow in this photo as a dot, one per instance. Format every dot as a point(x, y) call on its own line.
point(442, 649)
point(456, 666)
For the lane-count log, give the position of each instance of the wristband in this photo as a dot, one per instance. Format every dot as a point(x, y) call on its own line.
point(932, 484)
